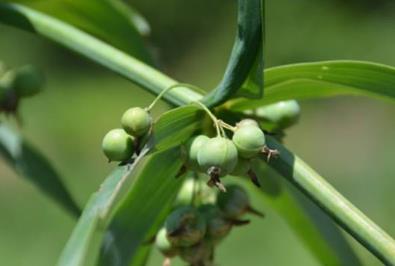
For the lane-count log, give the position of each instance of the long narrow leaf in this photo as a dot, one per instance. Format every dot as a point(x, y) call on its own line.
point(30, 164)
point(109, 20)
point(144, 209)
point(122, 194)
point(323, 79)
point(253, 86)
point(246, 51)
point(98, 51)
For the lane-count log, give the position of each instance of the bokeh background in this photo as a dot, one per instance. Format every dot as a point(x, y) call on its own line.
point(349, 140)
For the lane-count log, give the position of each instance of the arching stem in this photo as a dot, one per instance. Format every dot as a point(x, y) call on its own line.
point(212, 116)
point(163, 92)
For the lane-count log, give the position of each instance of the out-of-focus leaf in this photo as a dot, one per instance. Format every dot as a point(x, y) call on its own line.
point(312, 226)
point(323, 79)
point(30, 164)
point(133, 199)
point(96, 50)
point(109, 20)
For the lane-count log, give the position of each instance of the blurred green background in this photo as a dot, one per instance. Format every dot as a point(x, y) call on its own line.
point(348, 140)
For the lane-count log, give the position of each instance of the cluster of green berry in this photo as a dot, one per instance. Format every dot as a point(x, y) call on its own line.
point(15, 84)
point(220, 156)
point(200, 220)
point(121, 144)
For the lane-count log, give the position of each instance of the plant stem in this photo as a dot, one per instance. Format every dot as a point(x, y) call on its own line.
point(163, 92)
point(333, 203)
point(212, 116)
point(291, 167)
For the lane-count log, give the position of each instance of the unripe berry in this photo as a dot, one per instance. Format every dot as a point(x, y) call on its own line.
point(28, 81)
point(247, 122)
point(193, 146)
point(163, 244)
point(249, 141)
point(196, 191)
point(136, 121)
point(234, 203)
point(185, 227)
point(199, 254)
point(220, 153)
point(282, 114)
point(217, 225)
point(117, 145)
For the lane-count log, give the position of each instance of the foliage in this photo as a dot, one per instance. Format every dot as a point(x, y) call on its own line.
point(119, 219)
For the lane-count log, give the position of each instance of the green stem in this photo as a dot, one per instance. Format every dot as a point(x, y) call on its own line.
point(333, 203)
point(212, 116)
point(163, 92)
point(291, 167)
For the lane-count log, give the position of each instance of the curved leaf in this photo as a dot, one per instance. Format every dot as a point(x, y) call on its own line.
point(253, 85)
point(246, 51)
point(33, 166)
point(109, 20)
point(142, 189)
point(98, 51)
point(323, 79)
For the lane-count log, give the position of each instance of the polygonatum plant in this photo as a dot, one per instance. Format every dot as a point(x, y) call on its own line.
point(185, 164)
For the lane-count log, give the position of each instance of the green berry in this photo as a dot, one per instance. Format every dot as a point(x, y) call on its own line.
point(136, 121)
point(28, 81)
point(234, 203)
point(185, 227)
point(193, 147)
point(117, 145)
point(217, 225)
point(220, 153)
point(163, 244)
point(199, 254)
point(247, 122)
point(197, 191)
point(283, 114)
point(249, 141)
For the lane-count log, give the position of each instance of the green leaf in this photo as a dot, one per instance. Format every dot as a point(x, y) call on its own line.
point(133, 193)
point(98, 51)
point(323, 79)
point(246, 51)
point(30, 164)
point(253, 85)
point(313, 227)
point(142, 212)
point(109, 20)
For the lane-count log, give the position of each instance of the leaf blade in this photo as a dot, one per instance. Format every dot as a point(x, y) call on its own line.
point(123, 183)
point(96, 50)
point(246, 51)
point(32, 165)
point(111, 21)
point(323, 79)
